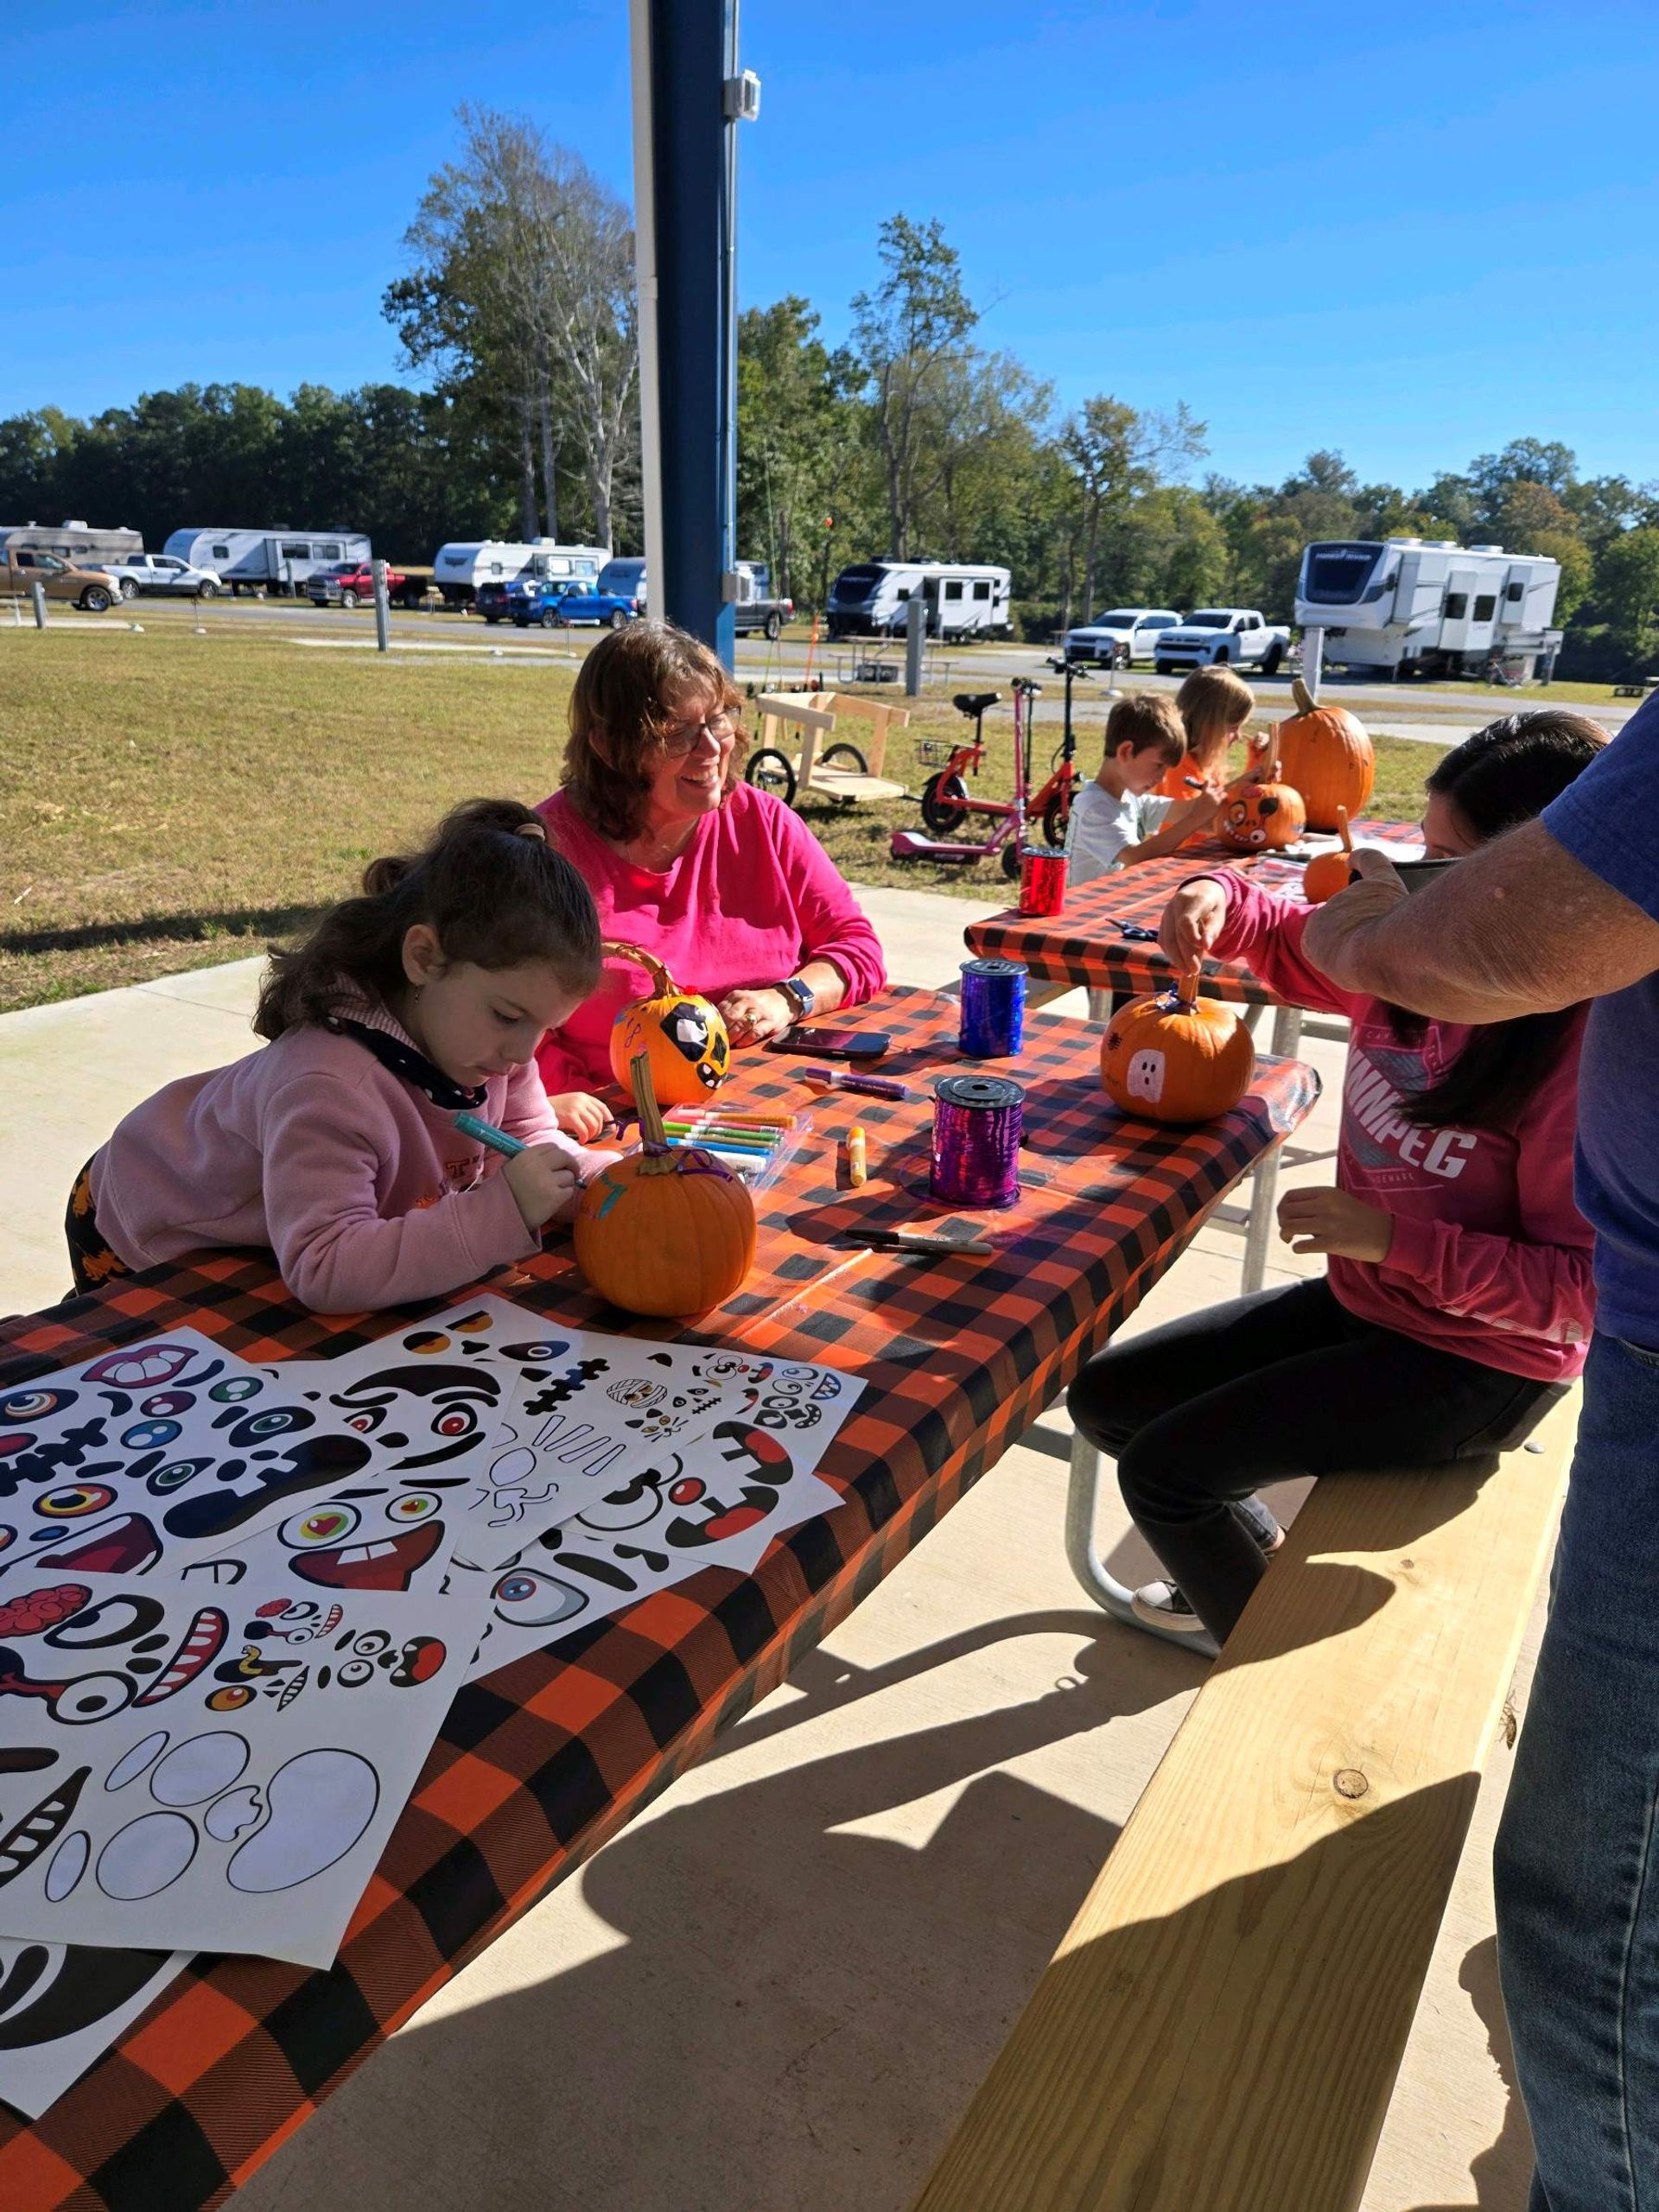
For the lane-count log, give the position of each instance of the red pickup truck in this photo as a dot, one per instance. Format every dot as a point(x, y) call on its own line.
point(350, 583)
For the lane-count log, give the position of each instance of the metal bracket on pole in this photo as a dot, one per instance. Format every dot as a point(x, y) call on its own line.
point(915, 639)
point(1313, 660)
point(37, 593)
point(382, 606)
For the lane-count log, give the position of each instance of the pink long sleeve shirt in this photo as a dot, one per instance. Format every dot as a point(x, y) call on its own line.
point(751, 898)
point(1489, 1256)
point(365, 1192)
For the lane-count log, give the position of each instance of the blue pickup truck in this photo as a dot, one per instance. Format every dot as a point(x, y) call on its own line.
point(557, 602)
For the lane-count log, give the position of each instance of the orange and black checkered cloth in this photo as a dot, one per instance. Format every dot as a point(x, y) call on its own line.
point(1083, 947)
point(540, 1764)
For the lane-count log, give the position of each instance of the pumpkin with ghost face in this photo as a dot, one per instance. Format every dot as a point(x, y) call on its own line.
point(1258, 817)
point(1177, 1058)
point(681, 1036)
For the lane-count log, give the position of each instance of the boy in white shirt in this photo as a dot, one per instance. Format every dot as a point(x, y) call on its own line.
point(1117, 820)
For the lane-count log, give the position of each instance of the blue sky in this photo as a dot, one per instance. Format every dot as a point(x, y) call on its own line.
point(1408, 232)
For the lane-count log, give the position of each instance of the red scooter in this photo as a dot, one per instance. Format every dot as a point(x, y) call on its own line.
point(947, 802)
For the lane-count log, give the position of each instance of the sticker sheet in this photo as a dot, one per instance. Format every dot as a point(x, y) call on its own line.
point(720, 1504)
point(211, 1769)
point(62, 2005)
point(145, 1459)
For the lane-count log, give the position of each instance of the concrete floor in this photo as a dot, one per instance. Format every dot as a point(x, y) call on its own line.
point(777, 1990)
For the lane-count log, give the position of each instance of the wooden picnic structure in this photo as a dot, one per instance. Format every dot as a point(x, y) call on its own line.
point(809, 719)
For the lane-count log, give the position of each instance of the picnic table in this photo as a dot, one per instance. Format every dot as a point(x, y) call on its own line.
point(541, 1763)
point(1084, 946)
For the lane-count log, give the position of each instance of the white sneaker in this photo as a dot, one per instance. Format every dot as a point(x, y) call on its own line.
point(1162, 1606)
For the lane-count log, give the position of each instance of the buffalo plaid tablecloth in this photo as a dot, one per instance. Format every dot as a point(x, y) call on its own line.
point(540, 1764)
point(1083, 945)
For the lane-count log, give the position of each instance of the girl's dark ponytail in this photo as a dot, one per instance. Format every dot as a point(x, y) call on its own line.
point(489, 886)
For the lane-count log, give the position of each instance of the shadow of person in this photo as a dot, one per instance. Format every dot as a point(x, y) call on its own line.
point(794, 2008)
point(1501, 2174)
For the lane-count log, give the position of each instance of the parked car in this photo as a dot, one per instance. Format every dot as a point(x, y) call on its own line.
point(556, 603)
point(87, 588)
point(1218, 636)
point(349, 583)
point(163, 572)
point(1121, 637)
point(532, 596)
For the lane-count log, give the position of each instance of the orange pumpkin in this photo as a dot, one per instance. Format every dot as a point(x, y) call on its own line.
point(681, 1035)
point(1256, 817)
point(1325, 752)
point(667, 1230)
point(1327, 873)
point(1177, 1058)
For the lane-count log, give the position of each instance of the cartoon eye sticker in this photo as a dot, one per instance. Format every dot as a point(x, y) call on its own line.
point(152, 1435)
point(456, 1420)
point(173, 1475)
point(235, 1390)
point(166, 1405)
point(276, 1420)
point(371, 1643)
point(76, 1498)
point(427, 1342)
point(320, 1528)
point(414, 1506)
point(525, 1598)
point(35, 1405)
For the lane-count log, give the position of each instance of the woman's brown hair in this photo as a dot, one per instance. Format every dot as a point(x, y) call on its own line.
point(487, 884)
point(619, 716)
point(1213, 702)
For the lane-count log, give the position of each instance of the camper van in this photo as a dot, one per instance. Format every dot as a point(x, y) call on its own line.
point(74, 542)
point(963, 600)
point(462, 565)
point(260, 560)
point(1430, 607)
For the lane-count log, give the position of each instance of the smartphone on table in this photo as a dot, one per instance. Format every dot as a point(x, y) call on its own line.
point(833, 1044)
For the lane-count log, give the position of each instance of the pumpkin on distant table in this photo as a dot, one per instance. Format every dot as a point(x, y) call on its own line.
point(668, 1229)
point(1327, 873)
point(1177, 1058)
point(1257, 818)
point(1325, 752)
point(681, 1035)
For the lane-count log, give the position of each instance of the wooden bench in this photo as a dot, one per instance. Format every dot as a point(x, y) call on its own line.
point(1221, 2029)
point(814, 715)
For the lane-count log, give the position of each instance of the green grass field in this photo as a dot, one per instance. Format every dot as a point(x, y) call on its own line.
point(169, 800)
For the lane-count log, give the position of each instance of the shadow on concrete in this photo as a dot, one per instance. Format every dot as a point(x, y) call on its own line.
point(796, 2010)
point(1501, 2174)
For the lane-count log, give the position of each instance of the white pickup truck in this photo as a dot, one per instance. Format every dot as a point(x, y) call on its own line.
point(1214, 637)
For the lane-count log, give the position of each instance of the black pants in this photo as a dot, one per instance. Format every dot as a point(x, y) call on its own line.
point(1199, 1414)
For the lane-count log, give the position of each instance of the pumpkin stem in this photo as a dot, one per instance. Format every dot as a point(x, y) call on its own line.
point(1187, 988)
point(1342, 829)
point(662, 985)
point(653, 1134)
point(1306, 703)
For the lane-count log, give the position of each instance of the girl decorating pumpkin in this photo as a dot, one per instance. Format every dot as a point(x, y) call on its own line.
point(1214, 705)
point(1458, 1298)
point(336, 1147)
point(696, 871)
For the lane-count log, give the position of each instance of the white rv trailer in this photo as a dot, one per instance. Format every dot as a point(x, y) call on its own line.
point(77, 542)
point(460, 567)
point(1416, 606)
point(279, 560)
point(964, 599)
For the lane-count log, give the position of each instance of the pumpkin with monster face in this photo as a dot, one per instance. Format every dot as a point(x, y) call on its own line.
point(1259, 818)
point(681, 1036)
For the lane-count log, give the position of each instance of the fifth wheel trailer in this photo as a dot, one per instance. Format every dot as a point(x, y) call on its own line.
point(1429, 606)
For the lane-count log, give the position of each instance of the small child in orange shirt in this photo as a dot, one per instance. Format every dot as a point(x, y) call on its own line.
point(1214, 705)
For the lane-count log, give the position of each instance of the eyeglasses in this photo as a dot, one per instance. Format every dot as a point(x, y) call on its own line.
point(679, 738)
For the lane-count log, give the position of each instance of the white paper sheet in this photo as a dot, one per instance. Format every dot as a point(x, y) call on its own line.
point(216, 1770)
point(63, 2007)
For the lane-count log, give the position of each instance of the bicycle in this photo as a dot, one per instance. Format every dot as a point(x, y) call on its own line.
point(1053, 803)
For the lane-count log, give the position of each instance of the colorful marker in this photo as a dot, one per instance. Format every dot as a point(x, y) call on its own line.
point(863, 1086)
point(470, 1125)
point(858, 1162)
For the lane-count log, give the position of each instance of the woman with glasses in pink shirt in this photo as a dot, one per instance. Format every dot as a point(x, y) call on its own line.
point(720, 883)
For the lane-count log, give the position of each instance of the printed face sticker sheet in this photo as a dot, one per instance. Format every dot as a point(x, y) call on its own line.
point(62, 2005)
point(215, 1770)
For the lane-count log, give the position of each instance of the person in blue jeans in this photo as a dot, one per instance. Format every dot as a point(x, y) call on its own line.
point(1562, 909)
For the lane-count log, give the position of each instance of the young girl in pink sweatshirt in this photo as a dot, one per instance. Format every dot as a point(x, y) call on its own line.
point(337, 1147)
point(1457, 1301)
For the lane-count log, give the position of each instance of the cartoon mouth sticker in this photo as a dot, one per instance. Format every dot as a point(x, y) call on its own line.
point(201, 1642)
point(127, 1545)
point(39, 1828)
point(388, 1563)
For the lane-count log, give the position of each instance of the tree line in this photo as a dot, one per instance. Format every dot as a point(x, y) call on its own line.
point(912, 437)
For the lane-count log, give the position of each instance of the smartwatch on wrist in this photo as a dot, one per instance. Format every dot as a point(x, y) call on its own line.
point(801, 997)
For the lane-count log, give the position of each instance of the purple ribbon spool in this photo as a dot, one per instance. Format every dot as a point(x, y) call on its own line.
point(977, 1121)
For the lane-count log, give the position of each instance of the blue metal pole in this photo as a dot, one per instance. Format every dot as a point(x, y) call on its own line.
point(693, 54)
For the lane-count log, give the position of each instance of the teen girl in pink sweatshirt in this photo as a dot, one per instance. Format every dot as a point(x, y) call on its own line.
point(1457, 1301)
point(336, 1147)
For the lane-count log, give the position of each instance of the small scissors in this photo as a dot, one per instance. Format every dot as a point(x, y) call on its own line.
point(1140, 935)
